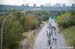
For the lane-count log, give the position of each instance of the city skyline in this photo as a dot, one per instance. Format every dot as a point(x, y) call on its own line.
point(37, 2)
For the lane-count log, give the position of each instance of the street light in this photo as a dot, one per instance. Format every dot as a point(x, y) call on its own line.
point(2, 29)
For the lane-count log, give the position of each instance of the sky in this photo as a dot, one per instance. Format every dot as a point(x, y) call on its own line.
point(37, 2)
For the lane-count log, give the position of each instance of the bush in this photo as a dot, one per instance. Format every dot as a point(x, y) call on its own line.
point(66, 20)
point(19, 22)
point(12, 34)
point(35, 24)
point(69, 35)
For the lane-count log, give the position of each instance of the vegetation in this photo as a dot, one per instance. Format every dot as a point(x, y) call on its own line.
point(1, 19)
point(12, 32)
point(20, 22)
point(66, 21)
point(69, 35)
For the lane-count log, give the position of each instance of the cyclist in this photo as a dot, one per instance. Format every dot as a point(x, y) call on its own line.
point(53, 24)
point(48, 34)
point(49, 42)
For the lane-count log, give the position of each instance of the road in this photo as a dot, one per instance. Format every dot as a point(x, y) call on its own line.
point(41, 41)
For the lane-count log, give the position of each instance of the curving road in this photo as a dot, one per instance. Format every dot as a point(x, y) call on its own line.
point(42, 39)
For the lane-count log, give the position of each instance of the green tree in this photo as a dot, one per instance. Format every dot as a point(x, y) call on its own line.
point(35, 24)
point(12, 32)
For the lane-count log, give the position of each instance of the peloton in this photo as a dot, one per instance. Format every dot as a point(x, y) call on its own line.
point(53, 30)
point(49, 34)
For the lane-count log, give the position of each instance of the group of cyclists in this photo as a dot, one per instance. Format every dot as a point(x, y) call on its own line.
point(51, 33)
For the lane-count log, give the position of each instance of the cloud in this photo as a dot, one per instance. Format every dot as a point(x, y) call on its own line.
point(38, 2)
point(11, 2)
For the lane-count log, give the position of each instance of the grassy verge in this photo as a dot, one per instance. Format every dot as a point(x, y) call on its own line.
point(69, 35)
point(30, 36)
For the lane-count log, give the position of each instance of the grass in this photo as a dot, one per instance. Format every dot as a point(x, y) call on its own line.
point(30, 37)
point(69, 35)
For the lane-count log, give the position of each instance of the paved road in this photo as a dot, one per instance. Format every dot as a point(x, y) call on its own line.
point(42, 39)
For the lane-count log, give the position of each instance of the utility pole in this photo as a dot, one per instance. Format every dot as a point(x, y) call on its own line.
point(2, 29)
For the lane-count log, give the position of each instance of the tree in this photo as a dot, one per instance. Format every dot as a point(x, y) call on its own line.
point(35, 24)
point(30, 20)
point(66, 20)
point(12, 32)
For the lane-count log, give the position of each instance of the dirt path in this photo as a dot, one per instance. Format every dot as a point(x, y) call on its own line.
point(28, 42)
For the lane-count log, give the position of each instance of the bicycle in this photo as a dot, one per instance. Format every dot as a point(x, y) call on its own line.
point(49, 39)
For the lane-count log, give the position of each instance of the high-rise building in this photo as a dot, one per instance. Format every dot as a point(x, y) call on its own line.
point(34, 5)
point(22, 4)
point(58, 5)
point(63, 4)
point(46, 4)
point(27, 5)
point(73, 5)
point(49, 4)
point(41, 5)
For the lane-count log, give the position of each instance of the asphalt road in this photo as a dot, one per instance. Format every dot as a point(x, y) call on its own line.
point(41, 41)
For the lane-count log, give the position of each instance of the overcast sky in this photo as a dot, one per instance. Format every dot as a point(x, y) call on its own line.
point(37, 2)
